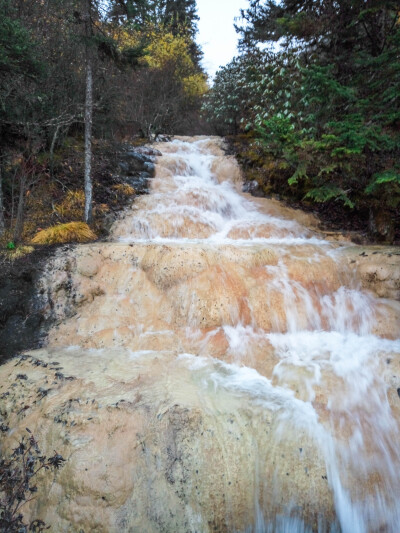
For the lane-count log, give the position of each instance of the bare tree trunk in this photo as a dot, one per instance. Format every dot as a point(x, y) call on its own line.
point(2, 222)
point(88, 120)
point(13, 196)
point(53, 144)
point(19, 223)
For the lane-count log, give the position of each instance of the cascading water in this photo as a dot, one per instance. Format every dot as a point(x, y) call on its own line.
point(234, 357)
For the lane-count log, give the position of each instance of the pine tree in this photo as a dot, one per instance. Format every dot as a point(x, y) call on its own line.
point(181, 15)
point(328, 108)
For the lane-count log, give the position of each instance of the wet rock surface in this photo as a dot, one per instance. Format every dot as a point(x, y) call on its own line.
point(213, 366)
point(137, 166)
point(24, 318)
point(132, 438)
point(23, 323)
point(378, 268)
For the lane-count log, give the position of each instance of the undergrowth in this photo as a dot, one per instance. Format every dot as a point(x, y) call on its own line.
point(18, 475)
point(62, 233)
point(56, 196)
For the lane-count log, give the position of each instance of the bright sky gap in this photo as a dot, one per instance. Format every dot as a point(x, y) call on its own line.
point(217, 35)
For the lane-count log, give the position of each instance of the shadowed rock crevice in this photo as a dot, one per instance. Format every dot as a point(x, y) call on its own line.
point(23, 323)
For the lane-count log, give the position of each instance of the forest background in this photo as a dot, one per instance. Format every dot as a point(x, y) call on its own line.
point(310, 105)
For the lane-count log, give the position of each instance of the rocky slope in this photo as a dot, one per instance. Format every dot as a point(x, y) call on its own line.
point(213, 367)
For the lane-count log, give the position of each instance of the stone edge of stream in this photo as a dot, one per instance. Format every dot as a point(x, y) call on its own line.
point(23, 322)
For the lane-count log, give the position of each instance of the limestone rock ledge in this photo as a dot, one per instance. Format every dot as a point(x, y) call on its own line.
point(150, 447)
point(378, 268)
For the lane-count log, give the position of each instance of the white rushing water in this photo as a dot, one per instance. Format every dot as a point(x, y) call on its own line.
point(328, 378)
point(221, 370)
point(189, 204)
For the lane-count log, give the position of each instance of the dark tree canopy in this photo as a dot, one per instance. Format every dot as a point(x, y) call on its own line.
point(179, 14)
point(323, 104)
point(328, 25)
point(65, 64)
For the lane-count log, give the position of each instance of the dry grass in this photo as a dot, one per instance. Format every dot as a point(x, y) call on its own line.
point(124, 189)
point(20, 251)
point(9, 256)
point(72, 205)
point(70, 232)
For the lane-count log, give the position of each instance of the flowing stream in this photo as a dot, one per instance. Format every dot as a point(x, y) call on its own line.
point(254, 381)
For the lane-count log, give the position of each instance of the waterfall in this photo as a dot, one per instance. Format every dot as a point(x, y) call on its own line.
point(230, 373)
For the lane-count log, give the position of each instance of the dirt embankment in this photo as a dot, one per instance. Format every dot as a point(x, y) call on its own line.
point(364, 224)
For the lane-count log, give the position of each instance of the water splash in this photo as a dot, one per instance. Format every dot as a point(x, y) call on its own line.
point(242, 328)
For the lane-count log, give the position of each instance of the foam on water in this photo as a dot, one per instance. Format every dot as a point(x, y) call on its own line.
point(231, 311)
point(353, 359)
point(195, 194)
point(325, 366)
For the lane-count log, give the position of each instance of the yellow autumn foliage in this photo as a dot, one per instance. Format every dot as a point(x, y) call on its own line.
point(71, 232)
point(122, 36)
point(166, 48)
point(123, 189)
point(195, 86)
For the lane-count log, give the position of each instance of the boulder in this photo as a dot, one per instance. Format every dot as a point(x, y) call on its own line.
point(381, 225)
point(140, 182)
point(148, 150)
